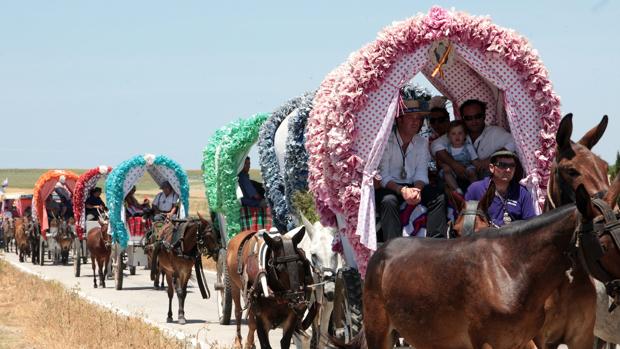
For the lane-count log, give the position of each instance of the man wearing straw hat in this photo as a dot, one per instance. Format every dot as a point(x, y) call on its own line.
point(404, 170)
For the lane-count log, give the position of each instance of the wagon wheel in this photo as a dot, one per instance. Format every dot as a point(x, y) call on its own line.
point(41, 251)
point(118, 270)
point(77, 253)
point(346, 319)
point(222, 286)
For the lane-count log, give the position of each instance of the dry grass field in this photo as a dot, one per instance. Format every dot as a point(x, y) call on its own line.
point(42, 314)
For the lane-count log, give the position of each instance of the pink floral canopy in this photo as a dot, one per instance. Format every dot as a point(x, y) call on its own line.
point(355, 105)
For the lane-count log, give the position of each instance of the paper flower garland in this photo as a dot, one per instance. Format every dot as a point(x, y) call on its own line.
point(85, 183)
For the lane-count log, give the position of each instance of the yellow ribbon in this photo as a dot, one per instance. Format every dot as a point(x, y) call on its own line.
point(441, 62)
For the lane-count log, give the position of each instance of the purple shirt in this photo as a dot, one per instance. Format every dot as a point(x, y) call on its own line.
point(518, 202)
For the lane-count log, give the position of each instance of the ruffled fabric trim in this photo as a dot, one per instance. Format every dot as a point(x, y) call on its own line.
point(84, 184)
point(275, 183)
point(38, 202)
point(220, 164)
point(336, 169)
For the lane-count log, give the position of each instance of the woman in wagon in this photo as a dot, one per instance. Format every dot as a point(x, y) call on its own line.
point(512, 200)
point(94, 204)
point(486, 139)
point(165, 204)
point(404, 172)
point(133, 207)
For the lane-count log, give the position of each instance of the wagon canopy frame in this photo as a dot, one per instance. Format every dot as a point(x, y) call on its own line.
point(123, 177)
point(43, 188)
point(223, 158)
point(356, 104)
point(85, 183)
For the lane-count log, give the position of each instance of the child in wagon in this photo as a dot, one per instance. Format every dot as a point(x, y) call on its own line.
point(463, 153)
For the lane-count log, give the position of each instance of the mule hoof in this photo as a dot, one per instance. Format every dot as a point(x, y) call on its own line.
point(182, 321)
point(95, 285)
point(169, 320)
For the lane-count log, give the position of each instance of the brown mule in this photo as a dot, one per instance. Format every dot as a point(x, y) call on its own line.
point(99, 244)
point(22, 241)
point(277, 292)
point(157, 275)
point(571, 310)
point(64, 237)
point(483, 291)
point(472, 215)
point(177, 260)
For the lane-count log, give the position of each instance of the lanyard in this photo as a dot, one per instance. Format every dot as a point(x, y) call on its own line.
point(403, 171)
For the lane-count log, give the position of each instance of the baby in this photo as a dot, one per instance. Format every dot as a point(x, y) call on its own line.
point(463, 153)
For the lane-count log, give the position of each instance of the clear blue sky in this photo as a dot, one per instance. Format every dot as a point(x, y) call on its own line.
point(90, 82)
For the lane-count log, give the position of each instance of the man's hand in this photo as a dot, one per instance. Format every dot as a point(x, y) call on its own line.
point(411, 195)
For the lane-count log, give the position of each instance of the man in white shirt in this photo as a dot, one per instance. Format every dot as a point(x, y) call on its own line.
point(165, 203)
point(486, 139)
point(404, 174)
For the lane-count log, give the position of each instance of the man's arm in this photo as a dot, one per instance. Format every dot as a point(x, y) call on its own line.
point(446, 158)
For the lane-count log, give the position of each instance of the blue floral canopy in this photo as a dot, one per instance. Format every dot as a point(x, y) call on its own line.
point(127, 174)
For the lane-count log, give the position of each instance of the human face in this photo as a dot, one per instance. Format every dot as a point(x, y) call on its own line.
point(457, 136)
point(473, 118)
point(410, 123)
point(439, 123)
point(503, 169)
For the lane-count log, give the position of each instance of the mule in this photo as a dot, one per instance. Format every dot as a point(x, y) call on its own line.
point(64, 237)
point(99, 244)
point(34, 237)
point(8, 230)
point(483, 291)
point(157, 273)
point(324, 263)
point(22, 245)
point(176, 258)
point(275, 287)
point(571, 309)
point(472, 215)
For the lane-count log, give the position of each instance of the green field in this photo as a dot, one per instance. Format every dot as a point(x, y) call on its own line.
point(23, 180)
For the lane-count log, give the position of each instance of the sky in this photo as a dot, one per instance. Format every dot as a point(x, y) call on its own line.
point(84, 83)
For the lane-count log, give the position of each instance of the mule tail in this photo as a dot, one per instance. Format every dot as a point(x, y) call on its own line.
point(358, 342)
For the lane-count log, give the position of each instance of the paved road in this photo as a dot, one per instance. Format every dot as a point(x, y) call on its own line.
point(139, 299)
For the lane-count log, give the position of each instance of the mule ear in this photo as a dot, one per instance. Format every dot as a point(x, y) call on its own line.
point(592, 137)
point(271, 242)
point(584, 202)
point(565, 130)
point(201, 217)
point(309, 227)
point(488, 197)
point(299, 236)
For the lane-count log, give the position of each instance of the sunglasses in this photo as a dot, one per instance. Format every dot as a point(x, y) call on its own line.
point(478, 116)
point(505, 165)
point(439, 120)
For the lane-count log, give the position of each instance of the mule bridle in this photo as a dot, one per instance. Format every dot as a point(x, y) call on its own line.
point(298, 292)
point(470, 212)
point(587, 246)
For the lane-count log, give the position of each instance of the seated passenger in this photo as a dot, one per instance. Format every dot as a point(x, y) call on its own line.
point(94, 204)
point(512, 200)
point(63, 192)
point(135, 209)
point(439, 118)
point(463, 153)
point(485, 139)
point(52, 206)
point(165, 204)
point(253, 192)
point(404, 174)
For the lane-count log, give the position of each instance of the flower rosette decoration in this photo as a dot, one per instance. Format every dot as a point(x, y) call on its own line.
point(335, 169)
point(221, 159)
point(115, 190)
point(85, 183)
point(275, 183)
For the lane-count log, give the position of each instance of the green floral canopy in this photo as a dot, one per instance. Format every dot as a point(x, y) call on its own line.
point(222, 158)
